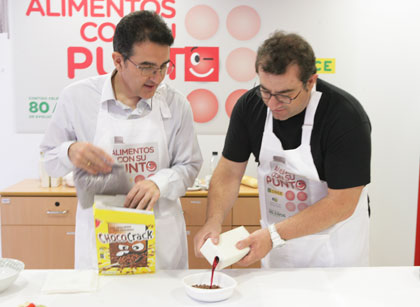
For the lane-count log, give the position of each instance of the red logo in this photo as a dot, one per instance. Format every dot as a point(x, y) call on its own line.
point(300, 185)
point(275, 175)
point(151, 166)
point(138, 178)
point(201, 63)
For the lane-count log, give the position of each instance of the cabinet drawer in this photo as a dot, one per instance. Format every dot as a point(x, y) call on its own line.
point(246, 211)
point(38, 210)
point(40, 247)
point(195, 211)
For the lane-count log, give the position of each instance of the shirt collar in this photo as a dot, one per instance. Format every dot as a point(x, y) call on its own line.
point(160, 100)
point(109, 95)
point(314, 88)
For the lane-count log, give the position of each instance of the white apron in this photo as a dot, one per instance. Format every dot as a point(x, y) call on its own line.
point(289, 183)
point(141, 145)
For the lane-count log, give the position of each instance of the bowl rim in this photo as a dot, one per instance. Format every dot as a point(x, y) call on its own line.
point(234, 282)
point(4, 260)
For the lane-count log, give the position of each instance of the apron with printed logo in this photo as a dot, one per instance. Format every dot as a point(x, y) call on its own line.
point(141, 146)
point(289, 183)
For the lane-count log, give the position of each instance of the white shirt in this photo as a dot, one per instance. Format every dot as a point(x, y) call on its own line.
point(75, 120)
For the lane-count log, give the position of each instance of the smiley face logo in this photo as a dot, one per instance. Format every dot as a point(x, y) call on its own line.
point(151, 166)
point(301, 185)
point(201, 64)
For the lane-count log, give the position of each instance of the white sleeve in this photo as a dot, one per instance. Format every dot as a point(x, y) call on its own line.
point(57, 139)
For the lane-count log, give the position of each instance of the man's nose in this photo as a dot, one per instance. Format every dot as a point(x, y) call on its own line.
point(157, 76)
point(272, 102)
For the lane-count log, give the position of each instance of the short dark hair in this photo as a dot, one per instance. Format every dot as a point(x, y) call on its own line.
point(138, 27)
point(282, 49)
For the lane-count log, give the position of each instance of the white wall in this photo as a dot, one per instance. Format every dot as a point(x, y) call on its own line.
point(383, 73)
point(19, 152)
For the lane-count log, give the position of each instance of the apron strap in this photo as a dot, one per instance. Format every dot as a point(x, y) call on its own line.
point(309, 117)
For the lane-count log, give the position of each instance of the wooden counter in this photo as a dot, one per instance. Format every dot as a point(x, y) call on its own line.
point(32, 187)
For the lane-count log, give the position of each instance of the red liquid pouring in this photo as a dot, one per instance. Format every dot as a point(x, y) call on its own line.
point(215, 262)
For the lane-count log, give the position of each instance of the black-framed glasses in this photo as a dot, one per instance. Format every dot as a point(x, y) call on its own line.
point(266, 96)
point(151, 70)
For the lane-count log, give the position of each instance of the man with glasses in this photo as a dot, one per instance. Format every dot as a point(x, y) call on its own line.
point(312, 144)
point(129, 117)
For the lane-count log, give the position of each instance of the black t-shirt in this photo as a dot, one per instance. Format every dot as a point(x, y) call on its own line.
point(340, 140)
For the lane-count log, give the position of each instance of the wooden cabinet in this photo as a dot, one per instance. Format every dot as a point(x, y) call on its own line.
point(38, 224)
point(38, 210)
point(246, 212)
point(194, 209)
point(38, 246)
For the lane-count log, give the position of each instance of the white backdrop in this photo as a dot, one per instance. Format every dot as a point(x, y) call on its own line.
point(375, 45)
point(68, 43)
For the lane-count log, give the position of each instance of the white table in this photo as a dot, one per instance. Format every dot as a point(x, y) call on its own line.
point(374, 286)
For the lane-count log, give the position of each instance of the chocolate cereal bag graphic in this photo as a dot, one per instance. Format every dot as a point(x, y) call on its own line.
point(125, 238)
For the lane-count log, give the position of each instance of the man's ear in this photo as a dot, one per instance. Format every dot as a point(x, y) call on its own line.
point(118, 60)
point(311, 82)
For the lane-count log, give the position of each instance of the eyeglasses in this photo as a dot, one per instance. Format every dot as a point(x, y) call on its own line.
point(151, 70)
point(266, 96)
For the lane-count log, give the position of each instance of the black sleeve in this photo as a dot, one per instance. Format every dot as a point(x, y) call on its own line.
point(237, 146)
point(347, 158)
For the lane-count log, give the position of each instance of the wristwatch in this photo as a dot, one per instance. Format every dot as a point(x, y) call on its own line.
point(275, 237)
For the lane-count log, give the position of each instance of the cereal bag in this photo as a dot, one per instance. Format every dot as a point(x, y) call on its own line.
point(125, 238)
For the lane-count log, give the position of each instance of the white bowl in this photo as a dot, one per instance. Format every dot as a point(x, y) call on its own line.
point(9, 271)
point(226, 283)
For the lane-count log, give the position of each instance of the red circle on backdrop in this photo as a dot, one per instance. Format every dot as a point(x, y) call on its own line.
point(232, 99)
point(204, 105)
point(243, 22)
point(240, 64)
point(290, 195)
point(201, 22)
point(302, 196)
point(139, 178)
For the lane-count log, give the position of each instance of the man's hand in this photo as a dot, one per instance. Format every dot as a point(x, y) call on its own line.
point(260, 243)
point(143, 195)
point(90, 158)
point(211, 229)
